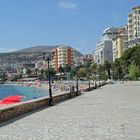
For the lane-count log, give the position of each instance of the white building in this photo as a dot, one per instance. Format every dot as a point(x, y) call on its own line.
point(103, 51)
point(134, 27)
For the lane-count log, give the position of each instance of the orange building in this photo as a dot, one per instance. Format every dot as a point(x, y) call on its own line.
point(63, 56)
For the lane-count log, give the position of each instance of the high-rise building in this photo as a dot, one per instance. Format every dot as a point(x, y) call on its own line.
point(63, 55)
point(120, 43)
point(134, 26)
point(103, 51)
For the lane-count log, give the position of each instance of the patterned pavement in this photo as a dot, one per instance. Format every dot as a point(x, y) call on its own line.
point(111, 112)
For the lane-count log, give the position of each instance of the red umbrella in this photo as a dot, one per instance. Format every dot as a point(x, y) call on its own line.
point(11, 99)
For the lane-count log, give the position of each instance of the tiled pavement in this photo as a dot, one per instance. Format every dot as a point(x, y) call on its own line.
point(111, 112)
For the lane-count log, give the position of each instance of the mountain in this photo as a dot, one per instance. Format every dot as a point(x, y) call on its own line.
point(28, 55)
point(38, 49)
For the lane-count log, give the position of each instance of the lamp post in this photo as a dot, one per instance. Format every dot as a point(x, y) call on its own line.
point(77, 89)
point(75, 71)
point(88, 73)
point(89, 82)
point(48, 59)
point(88, 77)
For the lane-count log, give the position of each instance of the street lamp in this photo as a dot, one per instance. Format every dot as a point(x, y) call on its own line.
point(75, 71)
point(88, 73)
point(89, 82)
point(48, 59)
point(77, 89)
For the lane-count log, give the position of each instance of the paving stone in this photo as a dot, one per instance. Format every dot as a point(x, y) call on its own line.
point(109, 113)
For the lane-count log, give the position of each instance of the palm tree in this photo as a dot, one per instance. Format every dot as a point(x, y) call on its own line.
point(67, 68)
point(117, 69)
point(41, 74)
point(89, 70)
point(94, 71)
point(42, 71)
point(28, 71)
point(52, 73)
point(36, 71)
point(100, 71)
point(107, 67)
point(82, 72)
point(61, 70)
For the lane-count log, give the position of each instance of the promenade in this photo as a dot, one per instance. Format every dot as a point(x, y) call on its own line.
point(111, 112)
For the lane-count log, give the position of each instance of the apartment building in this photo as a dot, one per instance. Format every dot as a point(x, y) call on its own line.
point(120, 43)
point(134, 26)
point(103, 50)
point(63, 55)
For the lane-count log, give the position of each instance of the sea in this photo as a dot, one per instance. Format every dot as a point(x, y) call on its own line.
point(28, 92)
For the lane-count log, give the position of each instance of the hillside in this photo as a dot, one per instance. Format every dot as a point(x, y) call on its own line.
point(28, 55)
point(38, 49)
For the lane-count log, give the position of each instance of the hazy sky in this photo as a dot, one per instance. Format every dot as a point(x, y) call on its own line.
point(78, 23)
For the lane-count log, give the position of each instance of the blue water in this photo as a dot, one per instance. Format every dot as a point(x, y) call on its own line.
point(28, 92)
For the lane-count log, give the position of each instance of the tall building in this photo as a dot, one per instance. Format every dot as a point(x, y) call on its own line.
point(120, 43)
point(103, 51)
point(134, 26)
point(63, 55)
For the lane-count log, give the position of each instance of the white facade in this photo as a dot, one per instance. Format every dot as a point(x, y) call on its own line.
point(134, 27)
point(103, 51)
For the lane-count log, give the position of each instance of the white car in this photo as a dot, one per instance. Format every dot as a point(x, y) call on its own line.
point(110, 81)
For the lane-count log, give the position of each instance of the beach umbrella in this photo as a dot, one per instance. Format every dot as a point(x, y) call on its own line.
point(11, 99)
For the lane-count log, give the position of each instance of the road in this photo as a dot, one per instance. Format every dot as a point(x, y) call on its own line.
point(111, 112)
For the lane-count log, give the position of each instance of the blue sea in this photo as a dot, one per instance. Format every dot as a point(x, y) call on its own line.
point(28, 92)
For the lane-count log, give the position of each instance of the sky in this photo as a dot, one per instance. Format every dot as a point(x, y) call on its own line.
point(77, 23)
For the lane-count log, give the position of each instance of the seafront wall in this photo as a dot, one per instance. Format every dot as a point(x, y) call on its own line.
point(28, 106)
point(13, 111)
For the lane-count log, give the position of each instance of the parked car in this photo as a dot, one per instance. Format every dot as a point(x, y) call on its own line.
point(110, 81)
